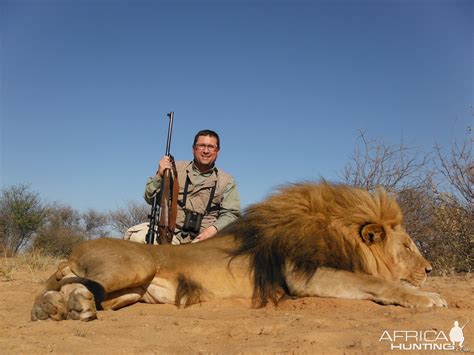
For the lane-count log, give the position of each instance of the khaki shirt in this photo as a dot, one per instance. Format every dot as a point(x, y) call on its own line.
point(225, 206)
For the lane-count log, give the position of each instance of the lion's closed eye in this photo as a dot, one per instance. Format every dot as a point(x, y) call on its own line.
point(408, 246)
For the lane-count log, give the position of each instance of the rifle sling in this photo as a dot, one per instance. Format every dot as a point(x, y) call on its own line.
point(174, 202)
point(164, 208)
point(169, 206)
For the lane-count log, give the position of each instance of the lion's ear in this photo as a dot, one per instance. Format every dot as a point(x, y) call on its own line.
point(372, 233)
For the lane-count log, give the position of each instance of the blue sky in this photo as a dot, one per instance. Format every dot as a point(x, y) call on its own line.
point(86, 85)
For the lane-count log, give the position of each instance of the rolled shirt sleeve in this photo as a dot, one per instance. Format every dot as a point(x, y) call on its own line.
point(230, 206)
point(152, 186)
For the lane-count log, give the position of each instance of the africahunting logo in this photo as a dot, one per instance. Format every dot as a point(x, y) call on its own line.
point(411, 340)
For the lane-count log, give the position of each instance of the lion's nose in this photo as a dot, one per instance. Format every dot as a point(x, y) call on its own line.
point(428, 269)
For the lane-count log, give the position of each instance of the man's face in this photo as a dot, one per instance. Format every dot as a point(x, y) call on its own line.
point(205, 151)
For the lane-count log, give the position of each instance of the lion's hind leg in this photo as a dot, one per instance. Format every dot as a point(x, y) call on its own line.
point(67, 296)
point(73, 301)
point(81, 304)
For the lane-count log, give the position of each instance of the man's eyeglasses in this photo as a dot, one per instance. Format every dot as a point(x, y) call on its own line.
point(210, 147)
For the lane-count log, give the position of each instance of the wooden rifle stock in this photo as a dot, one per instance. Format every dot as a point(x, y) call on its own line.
point(165, 203)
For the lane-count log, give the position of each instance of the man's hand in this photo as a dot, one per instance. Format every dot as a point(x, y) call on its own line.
point(209, 232)
point(165, 163)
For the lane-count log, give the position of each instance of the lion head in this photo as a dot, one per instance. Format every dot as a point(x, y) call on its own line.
point(310, 225)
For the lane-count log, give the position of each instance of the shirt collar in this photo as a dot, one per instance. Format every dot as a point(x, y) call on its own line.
point(205, 173)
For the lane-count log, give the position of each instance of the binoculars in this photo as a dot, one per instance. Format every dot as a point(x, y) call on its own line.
point(192, 224)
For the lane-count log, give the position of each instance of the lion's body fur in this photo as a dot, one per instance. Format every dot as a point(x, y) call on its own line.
point(299, 241)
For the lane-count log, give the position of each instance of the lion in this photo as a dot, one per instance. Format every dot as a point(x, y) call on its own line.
point(306, 239)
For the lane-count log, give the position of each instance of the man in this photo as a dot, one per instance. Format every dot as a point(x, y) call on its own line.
point(456, 334)
point(208, 196)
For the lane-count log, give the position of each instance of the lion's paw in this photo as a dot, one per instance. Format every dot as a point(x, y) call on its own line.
point(81, 304)
point(435, 300)
point(49, 305)
point(424, 299)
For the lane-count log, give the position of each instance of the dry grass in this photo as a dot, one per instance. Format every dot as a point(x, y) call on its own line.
point(7, 269)
point(32, 263)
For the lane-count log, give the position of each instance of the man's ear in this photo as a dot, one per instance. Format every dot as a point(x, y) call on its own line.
point(372, 233)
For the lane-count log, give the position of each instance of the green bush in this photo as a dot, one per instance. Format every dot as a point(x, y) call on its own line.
point(57, 242)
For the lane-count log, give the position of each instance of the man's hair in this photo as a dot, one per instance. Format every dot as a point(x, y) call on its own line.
point(207, 132)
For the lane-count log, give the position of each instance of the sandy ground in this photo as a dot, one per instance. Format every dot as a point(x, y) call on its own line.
point(307, 325)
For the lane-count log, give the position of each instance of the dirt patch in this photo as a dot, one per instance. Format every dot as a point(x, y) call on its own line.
point(305, 325)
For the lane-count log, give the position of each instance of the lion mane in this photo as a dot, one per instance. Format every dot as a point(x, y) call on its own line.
point(307, 239)
point(311, 225)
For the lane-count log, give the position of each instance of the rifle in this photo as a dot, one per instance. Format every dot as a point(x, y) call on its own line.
point(165, 202)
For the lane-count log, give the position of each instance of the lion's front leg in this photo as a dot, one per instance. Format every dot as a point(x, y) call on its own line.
point(51, 304)
point(328, 282)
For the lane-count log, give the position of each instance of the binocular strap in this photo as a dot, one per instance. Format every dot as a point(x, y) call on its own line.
point(185, 195)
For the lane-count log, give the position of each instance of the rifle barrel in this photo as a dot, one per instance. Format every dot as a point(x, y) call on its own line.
point(170, 131)
point(156, 209)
